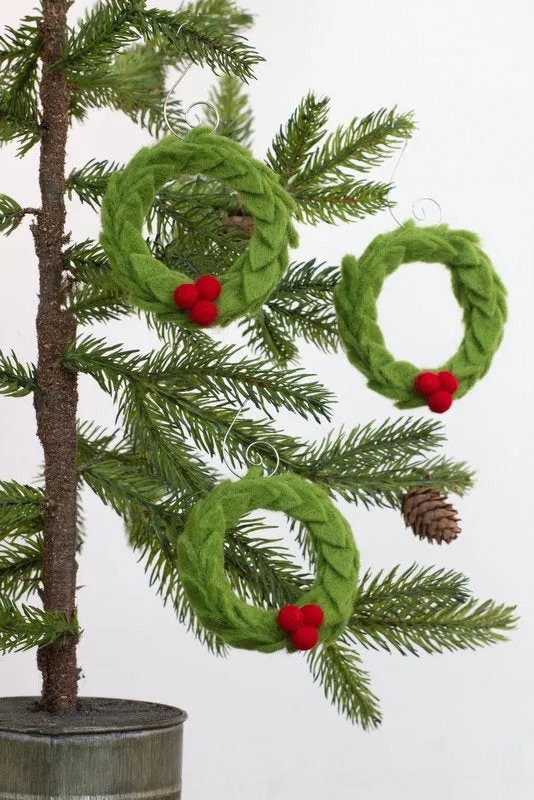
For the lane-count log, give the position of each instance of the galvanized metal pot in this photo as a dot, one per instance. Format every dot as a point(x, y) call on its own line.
point(107, 749)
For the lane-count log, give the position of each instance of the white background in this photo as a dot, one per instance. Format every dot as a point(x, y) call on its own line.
point(457, 725)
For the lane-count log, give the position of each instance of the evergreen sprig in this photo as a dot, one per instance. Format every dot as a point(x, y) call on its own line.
point(337, 667)
point(210, 39)
point(425, 609)
point(27, 627)
point(17, 379)
point(90, 181)
point(376, 464)
point(294, 143)
point(20, 567)
point(105, 29)
point(217, 374)
point(9, 214)
point(232, 108)
point(20, 53)
point(301, 306)
point(21, 508)
point(316, 168)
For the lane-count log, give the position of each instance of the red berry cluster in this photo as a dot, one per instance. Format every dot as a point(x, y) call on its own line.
point(198, 299)
point(438, 389)
point(302, 624)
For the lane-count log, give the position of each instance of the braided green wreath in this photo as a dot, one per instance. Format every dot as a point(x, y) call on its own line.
point(476, 286)
point(130, 194)
point(201, 563)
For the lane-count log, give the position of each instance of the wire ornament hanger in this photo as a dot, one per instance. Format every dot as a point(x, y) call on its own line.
point(205, 103)
point(419, 212)
point(253, 457)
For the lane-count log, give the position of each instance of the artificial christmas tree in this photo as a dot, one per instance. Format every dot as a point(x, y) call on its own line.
point(177, 404)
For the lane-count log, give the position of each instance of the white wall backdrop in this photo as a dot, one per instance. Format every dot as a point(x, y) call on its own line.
point(459, 725)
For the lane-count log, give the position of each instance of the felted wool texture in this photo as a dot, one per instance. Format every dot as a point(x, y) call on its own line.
point(131, 192)
point(201, 559)
point(476, 286)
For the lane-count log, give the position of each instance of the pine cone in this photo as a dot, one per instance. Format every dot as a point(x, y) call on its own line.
point(430, 517)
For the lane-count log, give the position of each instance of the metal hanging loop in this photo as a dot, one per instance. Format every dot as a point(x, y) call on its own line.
point(205, 103)
point(419, 206)
point(252, 457)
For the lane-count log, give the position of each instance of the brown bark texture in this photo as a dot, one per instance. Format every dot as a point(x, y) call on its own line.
point(56, 401)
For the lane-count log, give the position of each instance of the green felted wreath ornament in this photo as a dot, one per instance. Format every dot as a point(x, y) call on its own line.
point(476, 286)
point(322, 612)
point(151, 285)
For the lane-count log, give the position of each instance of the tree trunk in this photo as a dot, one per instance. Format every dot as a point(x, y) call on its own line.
point(57, 400)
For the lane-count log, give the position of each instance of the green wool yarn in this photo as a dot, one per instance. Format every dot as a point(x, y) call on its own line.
point(201, 559)
point(476, 286)
point(130, 194)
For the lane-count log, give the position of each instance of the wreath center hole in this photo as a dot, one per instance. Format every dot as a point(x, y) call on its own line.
point(419, 316)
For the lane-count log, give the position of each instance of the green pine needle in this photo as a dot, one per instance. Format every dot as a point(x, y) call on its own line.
point(21, 509)
point(21, 567)
point(27, 627)
point(294, 143)
point(104, 30)
point(302, 305)
point(17, 379)
point(89, 183)
point(425, 609)
point(338, 669)
point(209, 39)
point(9, 214)
point(236, 118)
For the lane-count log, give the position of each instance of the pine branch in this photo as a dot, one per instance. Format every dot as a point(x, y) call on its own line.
point(300, 306)
point(344, 201)
point(154, 537)
point(88, 263)
point(21, 509)
point(360, 146)
point(90, 306)
point(172, 468)
point(293, 144)
point(17, 379)
point(133, 84)
point(17, 45)
point(338, 668)
point(90, 182)
point(20, 51)
point(374, 464)
point(425, 609)
point(236, 117)
point(106, 28)
point(28, 627)
point(188, 216)
point(316, 170)
point(261, 570)
point(95, 296)
point(10, 214)
point(214, 374)
point(19, 119)
point(21, 567)
point(209, 40)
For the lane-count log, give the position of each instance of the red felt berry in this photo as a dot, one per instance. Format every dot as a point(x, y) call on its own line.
point(203, 313)
point(427, 383)
point(208, 287)
point(305, 638)
point(440, 401)
point(313, 615)
point(290, 618)
point(448, 382)
point(186, 295)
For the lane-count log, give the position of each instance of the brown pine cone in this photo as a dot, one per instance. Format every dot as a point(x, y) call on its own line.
point(429, 515)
